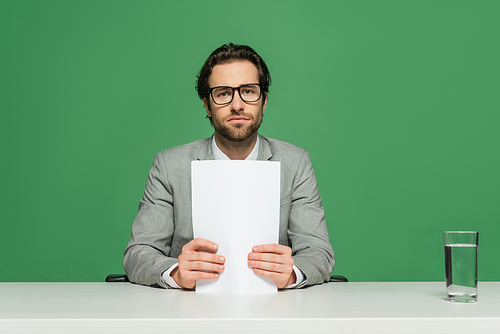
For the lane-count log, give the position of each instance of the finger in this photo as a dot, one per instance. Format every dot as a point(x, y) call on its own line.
point(201, 266)
point(272, 248)
point(279, 278)
point(205, 275)
point(268, 257)
point(199, 243)
point(271, 257)
point(202, 257)
point(268, 266)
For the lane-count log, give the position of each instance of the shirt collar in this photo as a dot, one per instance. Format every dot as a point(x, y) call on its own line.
point(219, 155)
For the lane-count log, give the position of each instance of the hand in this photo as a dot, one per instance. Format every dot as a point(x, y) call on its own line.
point(273, 261)
point(196, 262)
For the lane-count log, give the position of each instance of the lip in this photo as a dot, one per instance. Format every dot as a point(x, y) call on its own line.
point(238, 119)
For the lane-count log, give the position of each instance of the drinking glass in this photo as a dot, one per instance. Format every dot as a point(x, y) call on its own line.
point(460, 254)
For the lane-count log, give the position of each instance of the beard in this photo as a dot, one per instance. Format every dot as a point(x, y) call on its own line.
point(237, 132)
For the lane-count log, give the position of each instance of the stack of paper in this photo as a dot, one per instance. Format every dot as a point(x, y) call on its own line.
point(236, 205)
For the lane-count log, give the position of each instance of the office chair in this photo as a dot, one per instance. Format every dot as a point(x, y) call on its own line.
point(113, 278)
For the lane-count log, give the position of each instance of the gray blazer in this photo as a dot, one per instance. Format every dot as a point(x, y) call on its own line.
point(163, 224)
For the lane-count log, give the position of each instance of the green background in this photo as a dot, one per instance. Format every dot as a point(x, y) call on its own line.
point(397, 102)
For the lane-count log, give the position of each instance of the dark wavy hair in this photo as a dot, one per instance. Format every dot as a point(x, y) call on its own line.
point(229, 53)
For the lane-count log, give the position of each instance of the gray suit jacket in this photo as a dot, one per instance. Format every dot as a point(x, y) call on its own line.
point(164, 224)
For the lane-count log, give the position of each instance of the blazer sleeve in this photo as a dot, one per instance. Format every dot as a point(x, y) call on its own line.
point(308, 233)
point(147, 253)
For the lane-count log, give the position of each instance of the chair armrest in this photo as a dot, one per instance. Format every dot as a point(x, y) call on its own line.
point(338, 278)
point(117, 278)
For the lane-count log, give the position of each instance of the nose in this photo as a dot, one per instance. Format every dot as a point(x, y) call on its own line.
point(237, 104)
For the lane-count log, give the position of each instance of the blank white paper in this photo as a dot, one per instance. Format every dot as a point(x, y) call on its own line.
point(236, 204)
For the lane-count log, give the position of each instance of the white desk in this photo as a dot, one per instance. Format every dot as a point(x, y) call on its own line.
point(329, 308)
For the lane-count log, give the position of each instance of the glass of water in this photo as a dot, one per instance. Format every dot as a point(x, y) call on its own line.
point(460, 255)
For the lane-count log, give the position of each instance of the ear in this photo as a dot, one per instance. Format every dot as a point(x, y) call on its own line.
point(207, 107)
point(264, 105)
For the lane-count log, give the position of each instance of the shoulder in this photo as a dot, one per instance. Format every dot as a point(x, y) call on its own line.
point(189, 151)
point(281, 148)
point(178, 159)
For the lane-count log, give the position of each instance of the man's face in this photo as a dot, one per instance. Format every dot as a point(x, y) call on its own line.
point(238, 120)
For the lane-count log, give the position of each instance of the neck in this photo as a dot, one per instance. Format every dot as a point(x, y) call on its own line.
point(236, 150)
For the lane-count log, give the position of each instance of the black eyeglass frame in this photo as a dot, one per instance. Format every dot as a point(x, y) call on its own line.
point(210, 90)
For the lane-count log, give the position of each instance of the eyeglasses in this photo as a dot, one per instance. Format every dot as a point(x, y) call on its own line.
point(224, 94)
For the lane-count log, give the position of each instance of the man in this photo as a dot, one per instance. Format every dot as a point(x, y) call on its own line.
point(233, 85)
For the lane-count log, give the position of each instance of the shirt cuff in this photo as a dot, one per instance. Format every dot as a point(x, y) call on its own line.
point(300, 278)
point(168, 280)
point(171, 282)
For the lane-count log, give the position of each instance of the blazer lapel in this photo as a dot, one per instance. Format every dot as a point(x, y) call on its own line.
point(264, 149)
point(205, 152)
